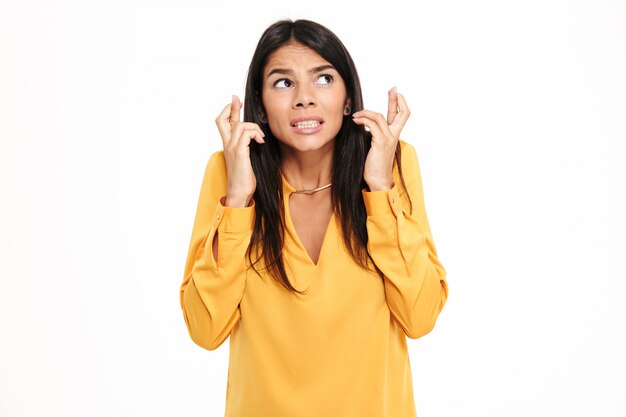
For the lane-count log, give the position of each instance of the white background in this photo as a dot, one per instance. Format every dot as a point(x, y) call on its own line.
point(106, 123)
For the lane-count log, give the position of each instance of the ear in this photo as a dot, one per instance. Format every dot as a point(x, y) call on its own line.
point(347, 108)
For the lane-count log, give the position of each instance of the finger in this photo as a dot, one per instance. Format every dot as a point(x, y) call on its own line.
point(392, 105)
point(374, 127)
point(247, 135)
point(376, 118)
point(222, 124)
point(403, 114)
point(240, 128)
point(403, 108)
point(234, 110)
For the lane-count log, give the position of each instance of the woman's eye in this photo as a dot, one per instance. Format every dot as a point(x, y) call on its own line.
point(283, 83)
point(325, 79)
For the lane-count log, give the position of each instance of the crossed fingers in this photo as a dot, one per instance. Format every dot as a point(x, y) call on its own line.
point(397, 114)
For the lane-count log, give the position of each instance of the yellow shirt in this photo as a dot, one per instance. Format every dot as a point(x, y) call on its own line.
point(340, 349)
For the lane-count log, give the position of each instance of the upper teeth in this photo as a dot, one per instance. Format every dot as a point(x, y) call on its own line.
point(308, 123)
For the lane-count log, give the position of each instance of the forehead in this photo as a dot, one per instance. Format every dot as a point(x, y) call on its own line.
point(292, 56)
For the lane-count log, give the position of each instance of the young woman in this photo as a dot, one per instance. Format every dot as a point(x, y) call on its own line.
point(311, 247)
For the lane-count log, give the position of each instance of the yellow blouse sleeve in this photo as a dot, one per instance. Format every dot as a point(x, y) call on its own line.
point(402, 247)
point(212, 288)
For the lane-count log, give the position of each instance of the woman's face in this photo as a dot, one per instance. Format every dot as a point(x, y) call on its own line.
point(304, 98)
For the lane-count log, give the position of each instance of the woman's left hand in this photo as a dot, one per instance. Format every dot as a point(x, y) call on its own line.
point(378, 172)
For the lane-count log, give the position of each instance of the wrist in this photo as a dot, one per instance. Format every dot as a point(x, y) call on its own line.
point(380, 186)
point(237, 201)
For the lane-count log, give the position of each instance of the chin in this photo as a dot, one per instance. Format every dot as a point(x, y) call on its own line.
point(307, 143)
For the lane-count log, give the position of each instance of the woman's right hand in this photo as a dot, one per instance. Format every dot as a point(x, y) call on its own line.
point(236, 137)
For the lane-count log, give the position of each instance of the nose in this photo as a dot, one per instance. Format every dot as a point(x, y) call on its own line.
point(304, 97)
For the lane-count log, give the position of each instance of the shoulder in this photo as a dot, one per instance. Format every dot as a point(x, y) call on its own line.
point(216, 161)
point(216, 166)
point(214, 180)
point(410, 163)
point(410, 173)
point(408, 151)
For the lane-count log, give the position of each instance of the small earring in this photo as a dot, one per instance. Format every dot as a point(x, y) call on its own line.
point(347, 110)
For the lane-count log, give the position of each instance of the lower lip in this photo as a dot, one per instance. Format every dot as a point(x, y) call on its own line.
point(307, 130)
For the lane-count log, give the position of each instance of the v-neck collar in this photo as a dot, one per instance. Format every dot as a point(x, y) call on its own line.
point(288, 189)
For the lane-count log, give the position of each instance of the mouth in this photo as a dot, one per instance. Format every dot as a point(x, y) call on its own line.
point(307, 126)
point(310, 122)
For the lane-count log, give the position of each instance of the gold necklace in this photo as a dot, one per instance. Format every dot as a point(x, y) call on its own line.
point(313, 190)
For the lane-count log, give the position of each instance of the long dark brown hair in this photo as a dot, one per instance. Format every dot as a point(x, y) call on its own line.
point(351, 146)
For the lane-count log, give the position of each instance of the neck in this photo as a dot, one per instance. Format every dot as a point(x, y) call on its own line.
point(307, 170)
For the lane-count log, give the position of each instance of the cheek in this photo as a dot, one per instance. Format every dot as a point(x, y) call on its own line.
point(337, 110)
point(337, 102)
point(276, 116)
point(275, 109)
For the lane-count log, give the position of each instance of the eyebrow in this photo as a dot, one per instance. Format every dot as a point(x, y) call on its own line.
point(290, 72)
